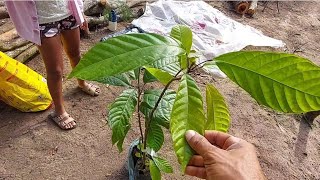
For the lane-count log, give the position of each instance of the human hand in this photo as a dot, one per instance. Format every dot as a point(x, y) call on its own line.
point(222, 156)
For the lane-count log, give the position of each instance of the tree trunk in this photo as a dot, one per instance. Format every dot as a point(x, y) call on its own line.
point(7, 26)
point(252, 8)
point(16, 43)
point(27, 54)
point(92, 8)
point(241, 7)
point(1, 3)
point(3, 12)
point(9, 35)
point(14, 53)
point(92, 21)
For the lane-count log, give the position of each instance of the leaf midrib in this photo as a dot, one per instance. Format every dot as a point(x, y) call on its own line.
point(90, 66)
point(218, 61)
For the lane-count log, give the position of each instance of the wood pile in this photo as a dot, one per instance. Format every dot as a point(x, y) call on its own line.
point(10, 42)
point(96, 14)
point(245, 7)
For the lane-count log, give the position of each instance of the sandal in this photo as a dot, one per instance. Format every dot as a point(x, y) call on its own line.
point(91, 89)
point(63, 121)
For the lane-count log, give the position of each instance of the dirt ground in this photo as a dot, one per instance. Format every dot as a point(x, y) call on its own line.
point(32, 147)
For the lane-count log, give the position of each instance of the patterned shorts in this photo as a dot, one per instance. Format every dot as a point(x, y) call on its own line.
point(54, 28)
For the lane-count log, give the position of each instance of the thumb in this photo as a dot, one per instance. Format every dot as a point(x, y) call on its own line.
point(199, 143)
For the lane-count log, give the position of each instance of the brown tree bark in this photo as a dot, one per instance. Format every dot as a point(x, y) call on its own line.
point(92, 8)
point(16, 43)
point(7, 26)
point(241, 7)
point(252, 8)
point(3, 12)
point(9, 35)
point(27, 54)
point(14, 53)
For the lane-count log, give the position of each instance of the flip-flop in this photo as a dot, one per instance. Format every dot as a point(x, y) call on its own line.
point(91, 89)
point(63, 120)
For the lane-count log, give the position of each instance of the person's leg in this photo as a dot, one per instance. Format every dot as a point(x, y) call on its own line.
point(51, 52)
point(71, 44)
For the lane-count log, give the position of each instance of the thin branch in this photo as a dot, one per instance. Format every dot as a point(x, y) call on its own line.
point(199, 65)
point(138, 110)
point(148, 120)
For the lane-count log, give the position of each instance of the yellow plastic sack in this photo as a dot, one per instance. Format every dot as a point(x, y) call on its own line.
point(22, 87)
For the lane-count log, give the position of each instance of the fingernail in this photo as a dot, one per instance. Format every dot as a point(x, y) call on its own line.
point(190, 134)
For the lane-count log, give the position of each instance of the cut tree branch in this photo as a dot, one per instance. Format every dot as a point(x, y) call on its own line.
point(3, 12)
point(27, 54)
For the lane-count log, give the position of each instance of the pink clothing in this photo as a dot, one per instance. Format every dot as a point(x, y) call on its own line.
point(24, 17)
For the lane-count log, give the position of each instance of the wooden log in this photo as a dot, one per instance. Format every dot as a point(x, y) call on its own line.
point(7, 26)
point(28, 54)
point(241, 7)
point(3, 12)
point(252, 8)
point(16, 43)
point(93, 8)
point(9, 35)
point(14, 53)
point(92, 21)
point(1, 3)
point(3, 21)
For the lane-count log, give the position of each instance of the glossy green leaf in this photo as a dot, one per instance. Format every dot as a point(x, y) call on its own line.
point(218, 117)
point(160, 75)
point(183, 60)
point(187, 114)
point(120, 114)
point(170, 65)
point(148, 77)
point(162, 164)
point(133, 74)
point(193, 56)
point(124, 53)
point(184, 35)
point(162, 113)
point(116, 80)
point(284, 82)
point(154, 171)
point(155, 136)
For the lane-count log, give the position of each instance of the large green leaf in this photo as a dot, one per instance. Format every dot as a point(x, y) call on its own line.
point(154, 171)
point(162, 164)
point(170, 65)
point(120, 114)
point(163, 111)
point(148, 77)
point(116, 80)
point(155, 136)
point(184, 35)
point(284, 82)
point(218, 117)
point(187, 114)
point(124, 53)
point(162, 76)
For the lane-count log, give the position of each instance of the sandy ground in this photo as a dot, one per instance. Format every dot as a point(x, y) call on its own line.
point(32, 147)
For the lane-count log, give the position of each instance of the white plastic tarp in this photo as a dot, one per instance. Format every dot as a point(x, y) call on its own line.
point(214, 33)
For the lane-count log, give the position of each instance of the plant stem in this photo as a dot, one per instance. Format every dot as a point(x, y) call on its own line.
point(148, 120)
point(199, 65)
point(138, 106)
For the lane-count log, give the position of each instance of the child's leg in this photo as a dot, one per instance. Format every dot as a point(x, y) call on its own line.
point(51, 52)
point(71, 44)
